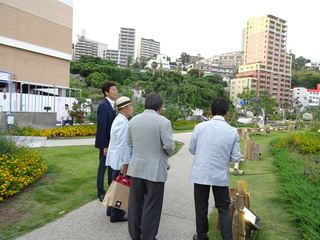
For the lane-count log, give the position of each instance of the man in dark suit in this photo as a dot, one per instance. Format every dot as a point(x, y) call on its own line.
point(105, 117)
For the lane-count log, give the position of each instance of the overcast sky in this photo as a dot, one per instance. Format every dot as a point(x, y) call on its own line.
point(205, 27)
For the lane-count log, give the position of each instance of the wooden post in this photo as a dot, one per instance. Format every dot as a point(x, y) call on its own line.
point(242, 187)
point(242, 223)
point(242, 133)
point(247, 149)
point(251, 149)
point(256, 152)
point(236, 217)
point(242, 190)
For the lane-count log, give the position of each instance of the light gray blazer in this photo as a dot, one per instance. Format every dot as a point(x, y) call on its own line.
point(150, 135)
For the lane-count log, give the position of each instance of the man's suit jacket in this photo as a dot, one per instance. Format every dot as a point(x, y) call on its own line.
point(150, 135)
point(105, 116)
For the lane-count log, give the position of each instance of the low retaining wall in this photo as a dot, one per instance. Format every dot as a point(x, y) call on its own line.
point(39, 120)
point(28, 141)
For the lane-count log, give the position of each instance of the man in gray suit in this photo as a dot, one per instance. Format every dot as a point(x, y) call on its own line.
point(150, 135)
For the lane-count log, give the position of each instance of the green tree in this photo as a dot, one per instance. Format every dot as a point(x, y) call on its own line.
point(264, 103)
point(96, 79)
point(75, 83)
point(305, 78)
point(129, 60)
point(195, 72)
point(216, 79)
point(80, 111)
point(298, 63)
point(154, 66)
point(184, 58)
point(174, 112)
point(246, 96)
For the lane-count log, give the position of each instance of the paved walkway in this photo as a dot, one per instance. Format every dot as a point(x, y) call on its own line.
point(90, 221)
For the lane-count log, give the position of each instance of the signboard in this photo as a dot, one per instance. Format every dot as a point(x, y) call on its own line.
point(243, 102)
point(4, 76)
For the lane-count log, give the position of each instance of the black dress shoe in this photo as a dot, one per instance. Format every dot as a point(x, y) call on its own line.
point(123, 219)
point(101, 196)
point(195, 237)
point(108, 211)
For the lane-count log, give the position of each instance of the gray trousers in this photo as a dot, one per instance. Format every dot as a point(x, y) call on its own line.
point(145, 207)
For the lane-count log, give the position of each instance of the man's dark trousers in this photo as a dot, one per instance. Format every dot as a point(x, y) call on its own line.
point(101, 172)
point(115, 214)
point(145, 207)
point(222, 203)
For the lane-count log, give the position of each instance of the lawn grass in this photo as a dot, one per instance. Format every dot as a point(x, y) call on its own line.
point(264, 188)
point(69, 183)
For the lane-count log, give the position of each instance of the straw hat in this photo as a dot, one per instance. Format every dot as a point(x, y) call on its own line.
point(122, 102)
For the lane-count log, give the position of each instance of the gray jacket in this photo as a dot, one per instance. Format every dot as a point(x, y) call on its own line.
point(150, 135)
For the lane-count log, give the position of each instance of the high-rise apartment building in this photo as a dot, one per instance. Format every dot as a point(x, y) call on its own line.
point(126, 45)
point(88, 47)
point(267, 67)
point(147, 48)
point(232, 59)
point(112, 55)
point(36, 41)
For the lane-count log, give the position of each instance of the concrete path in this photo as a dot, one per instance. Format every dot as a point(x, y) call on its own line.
point(91, 222)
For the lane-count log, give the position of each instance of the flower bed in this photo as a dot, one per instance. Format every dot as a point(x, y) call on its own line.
point(66, 131)
point(297, 157)
point(304, 143)
point(18, 168)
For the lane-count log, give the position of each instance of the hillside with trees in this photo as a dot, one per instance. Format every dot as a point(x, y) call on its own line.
point(182, 91)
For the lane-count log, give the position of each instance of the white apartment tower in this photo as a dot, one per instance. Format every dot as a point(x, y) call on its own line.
point(147, 48)
point(126, 45)
point(88, 47)
point(267, 67)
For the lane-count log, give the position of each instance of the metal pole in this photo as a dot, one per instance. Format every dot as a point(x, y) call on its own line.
point(10, 93)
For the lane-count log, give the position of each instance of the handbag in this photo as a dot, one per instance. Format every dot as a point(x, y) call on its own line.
point(123, 180)
point(117, 195)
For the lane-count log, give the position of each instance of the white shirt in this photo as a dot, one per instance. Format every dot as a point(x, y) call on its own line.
point(215, 144)
point(111, 102)
point(65, 114)
point(118, 152)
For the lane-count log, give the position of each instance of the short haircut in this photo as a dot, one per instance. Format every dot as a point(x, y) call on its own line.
point(106, 87)
point(219, 106)
point(154, 101)
point(66, 105)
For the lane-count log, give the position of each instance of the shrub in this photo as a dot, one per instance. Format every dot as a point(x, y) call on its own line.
point(299, 192)
point(190, 123)
point(307, 143)
point(65, 131)
point(19, 166)
point(315, 129)
point(182, 128)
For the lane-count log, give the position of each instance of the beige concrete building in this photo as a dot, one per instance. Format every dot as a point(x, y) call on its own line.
point(36, 40)
point(147, 48)
point(231, 59)
point(88, 47)
point(267, 67)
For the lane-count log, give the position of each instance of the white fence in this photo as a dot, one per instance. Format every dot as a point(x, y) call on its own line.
point(35, 103)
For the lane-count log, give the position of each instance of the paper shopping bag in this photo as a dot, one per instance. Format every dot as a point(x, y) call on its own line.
point(117, 196)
